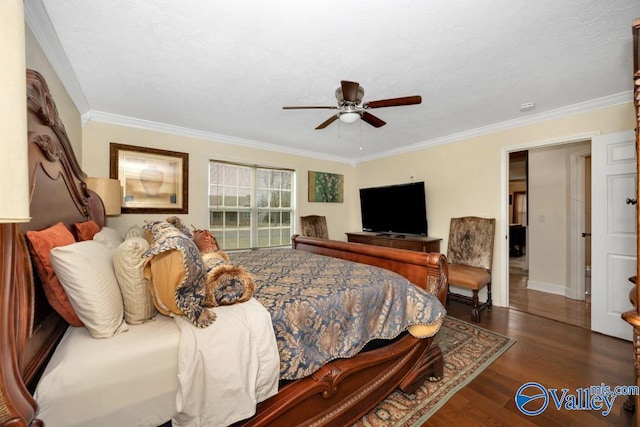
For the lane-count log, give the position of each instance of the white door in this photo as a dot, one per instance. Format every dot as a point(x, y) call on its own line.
point(613, 225)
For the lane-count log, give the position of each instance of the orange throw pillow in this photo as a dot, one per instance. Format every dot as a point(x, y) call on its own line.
point(41, 242)
point(86, 230)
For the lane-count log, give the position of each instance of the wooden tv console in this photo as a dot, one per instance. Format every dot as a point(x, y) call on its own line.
point(395, 240)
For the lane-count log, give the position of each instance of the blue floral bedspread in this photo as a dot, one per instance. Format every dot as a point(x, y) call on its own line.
point(324, 308)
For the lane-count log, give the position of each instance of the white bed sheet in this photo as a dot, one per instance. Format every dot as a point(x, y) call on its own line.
point(226, 368)
point(143, 378)
point(128, 380)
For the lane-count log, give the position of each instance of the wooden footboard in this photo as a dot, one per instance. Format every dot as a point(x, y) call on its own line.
point(418, 267)
point(344, 390)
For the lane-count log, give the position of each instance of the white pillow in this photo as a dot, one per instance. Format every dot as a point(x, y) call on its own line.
point(135, 231)
point(128, 264)
point(108, 237)
point(85, 270)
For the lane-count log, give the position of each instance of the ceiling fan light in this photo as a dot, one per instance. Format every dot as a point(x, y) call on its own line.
point(349, 117)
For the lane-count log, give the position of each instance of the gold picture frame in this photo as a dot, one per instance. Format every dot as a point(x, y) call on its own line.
point(152, 180)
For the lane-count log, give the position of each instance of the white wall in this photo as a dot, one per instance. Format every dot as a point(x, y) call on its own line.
point(547, 219)
point(550, 217)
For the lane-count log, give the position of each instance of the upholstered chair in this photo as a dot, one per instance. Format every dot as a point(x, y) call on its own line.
point(470, 255)
point(314, 226)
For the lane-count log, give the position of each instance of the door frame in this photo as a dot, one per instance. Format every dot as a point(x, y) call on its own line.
point(504, 200)
point(578, 222)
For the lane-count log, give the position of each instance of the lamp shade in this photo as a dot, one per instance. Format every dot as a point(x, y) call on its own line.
point(14, 195)
point(109, 192)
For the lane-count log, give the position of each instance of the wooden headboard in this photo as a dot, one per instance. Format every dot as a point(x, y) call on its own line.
point(29, 328)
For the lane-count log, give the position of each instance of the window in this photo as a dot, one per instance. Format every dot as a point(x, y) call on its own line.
point(250, 206)
point(520, 207)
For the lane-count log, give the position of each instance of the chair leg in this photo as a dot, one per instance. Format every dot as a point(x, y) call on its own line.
point(473, 300)
point(475, 312)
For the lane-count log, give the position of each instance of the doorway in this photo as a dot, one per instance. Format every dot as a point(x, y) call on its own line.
point(549, 203)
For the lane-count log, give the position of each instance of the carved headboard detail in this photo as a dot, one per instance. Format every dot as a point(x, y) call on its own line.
point(29, 328)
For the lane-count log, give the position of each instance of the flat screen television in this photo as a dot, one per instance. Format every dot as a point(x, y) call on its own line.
point(396, 209)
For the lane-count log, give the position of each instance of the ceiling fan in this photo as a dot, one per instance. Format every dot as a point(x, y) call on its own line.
point(351, 108)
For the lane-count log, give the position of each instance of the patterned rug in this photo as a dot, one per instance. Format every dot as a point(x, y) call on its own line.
point(468, 349)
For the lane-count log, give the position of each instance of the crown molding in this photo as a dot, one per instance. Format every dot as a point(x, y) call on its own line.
point(569, 110)
point(115, 119)
point(37, 18)
point(607, 101)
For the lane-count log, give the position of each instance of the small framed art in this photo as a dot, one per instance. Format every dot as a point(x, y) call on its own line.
point(326, 187)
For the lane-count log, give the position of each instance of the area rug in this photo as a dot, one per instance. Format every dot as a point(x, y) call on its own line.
point(468, 349)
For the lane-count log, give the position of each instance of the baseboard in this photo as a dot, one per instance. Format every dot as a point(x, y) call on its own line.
point(550, 288)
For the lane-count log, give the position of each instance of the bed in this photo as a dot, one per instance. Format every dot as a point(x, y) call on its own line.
point(337, 393)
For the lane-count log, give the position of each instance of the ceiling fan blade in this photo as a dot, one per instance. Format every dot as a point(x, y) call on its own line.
point(327, 122)
point(349, 90)
point(306, 107)
point(394, 102)
point(373, 120)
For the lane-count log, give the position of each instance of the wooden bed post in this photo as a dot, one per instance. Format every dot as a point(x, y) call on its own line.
point(636, 102)
point(17, 406)
point(633, 316)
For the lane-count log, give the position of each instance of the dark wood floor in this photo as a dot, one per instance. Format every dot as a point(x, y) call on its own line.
point(552, 353)
point(548, 305)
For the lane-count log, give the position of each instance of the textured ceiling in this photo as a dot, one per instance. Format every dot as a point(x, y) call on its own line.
point(224, 69)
